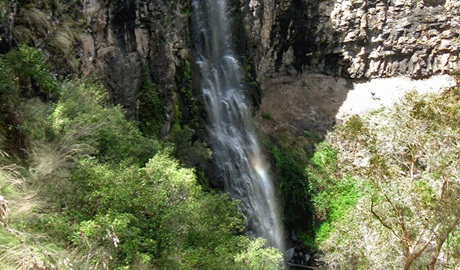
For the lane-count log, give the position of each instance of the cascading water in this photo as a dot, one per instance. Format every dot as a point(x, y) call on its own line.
point(234, 143)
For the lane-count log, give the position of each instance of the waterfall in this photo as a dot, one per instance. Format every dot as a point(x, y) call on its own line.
point(235, 146)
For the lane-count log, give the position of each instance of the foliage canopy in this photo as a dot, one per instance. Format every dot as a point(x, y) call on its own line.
point(93, 192)
point(395, 175)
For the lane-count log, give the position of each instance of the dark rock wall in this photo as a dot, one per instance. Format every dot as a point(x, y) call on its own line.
point(7, 12)
point(354, 38)
point(127, 37)
point(348, 38)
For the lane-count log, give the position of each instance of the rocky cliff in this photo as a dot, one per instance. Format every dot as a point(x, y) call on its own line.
point(320, 61)
point(122, 43)
point(354, 38)
point(127, 42)
point(130, 41)
point(309, 54)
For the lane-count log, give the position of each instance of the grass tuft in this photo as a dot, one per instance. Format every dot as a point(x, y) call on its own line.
point(51, 164)
point(62, 41)
point(22, 35)
point(23, 251)
point(36, 19)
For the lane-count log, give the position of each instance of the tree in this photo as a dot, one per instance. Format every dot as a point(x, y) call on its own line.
point(159, 216)
point(405, 159)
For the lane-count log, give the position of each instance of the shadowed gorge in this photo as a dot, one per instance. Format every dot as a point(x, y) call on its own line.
point(199, 134)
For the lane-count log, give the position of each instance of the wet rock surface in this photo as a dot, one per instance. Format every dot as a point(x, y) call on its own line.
point(125, 38)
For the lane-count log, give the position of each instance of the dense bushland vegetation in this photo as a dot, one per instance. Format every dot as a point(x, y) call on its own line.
point(51, 25)
point(290, 155)
point(386, 186)
point(83, 188)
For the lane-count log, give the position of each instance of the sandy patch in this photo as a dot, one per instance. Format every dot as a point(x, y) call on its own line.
point(378, 93)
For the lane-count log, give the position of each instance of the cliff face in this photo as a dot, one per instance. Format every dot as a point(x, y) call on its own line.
point(312, 59)
point(310, 54)
point(128, 41)
point(355, 39)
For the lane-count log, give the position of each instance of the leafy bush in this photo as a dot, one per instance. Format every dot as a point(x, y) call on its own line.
point(190, 153)
point(157, 215)
point(24, 74)
point(258, 257)
point(290, 155)
point(84, 114)
point(82, 122)
point(332, 194)
point(32, 71)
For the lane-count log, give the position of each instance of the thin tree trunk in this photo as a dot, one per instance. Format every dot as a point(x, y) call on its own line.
point(440, 243)
point(411, 258)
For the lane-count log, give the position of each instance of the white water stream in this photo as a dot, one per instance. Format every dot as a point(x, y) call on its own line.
point(234, 142)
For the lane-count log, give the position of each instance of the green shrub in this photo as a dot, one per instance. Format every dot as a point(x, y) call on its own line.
point(293, 186)
point(266, 116)
point(192, 154)
point(32, 71)
point(332, 194)
point(157, 215)
point(24, 74)
point(152, 114)
point(84, 113)
point(394, 191)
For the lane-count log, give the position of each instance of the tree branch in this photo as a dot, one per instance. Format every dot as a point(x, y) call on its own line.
point(406, 234)
point(441, 241)
point(414, 256)
point(381, 220)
